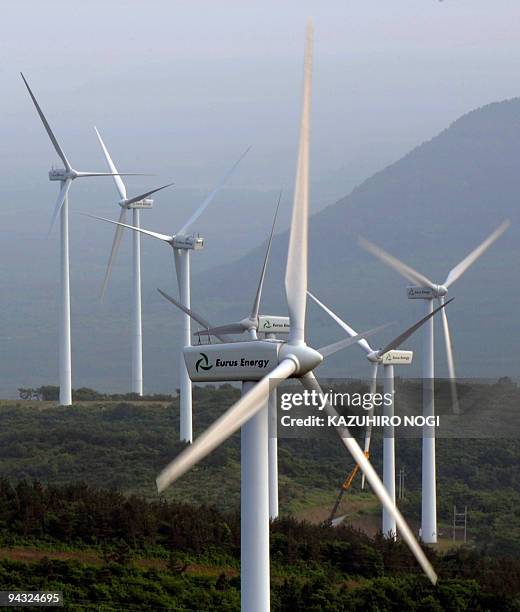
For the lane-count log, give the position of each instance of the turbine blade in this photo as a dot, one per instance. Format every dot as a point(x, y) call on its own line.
point(163, 237)
point(115, 248)
point(330, 349)
point(225, 426)
point(148, 193)
point(296, 270)
point(232, 328)
point(48, 128)
point(210, 197)
point(191, 313)
point(177, 254)
point(411, 330)
point(256, 303)
point(310, 383)
point(400, 267)
point(351, 332)
point(450, 360)
point(195, 316)
point(368, 432)
point(117, 179)
point(461, 267)
point(80, 174)
point(65, 186)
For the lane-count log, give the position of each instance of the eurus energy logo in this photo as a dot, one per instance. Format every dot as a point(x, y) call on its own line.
point(203, 363)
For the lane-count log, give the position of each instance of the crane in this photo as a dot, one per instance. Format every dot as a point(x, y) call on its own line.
point(344, 488)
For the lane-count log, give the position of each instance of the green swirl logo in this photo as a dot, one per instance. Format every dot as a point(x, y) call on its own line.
point(203, 363)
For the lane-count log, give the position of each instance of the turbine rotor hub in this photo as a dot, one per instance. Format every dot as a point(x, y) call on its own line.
point(305, 357)
point(374, 357)
point(248, 324)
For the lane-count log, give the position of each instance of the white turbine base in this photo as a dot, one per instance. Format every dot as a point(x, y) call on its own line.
point(389, 526)
point(65, 362)
point(137, 336)
point(254, 512)
point(273, 455)
point(273, 449)
point(182, 265)
point(429, 490)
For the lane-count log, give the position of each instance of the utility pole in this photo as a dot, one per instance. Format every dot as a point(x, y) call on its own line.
point(460, 522)
point(400, 484)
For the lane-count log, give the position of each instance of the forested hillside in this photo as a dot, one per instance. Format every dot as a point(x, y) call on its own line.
point(79, 513)
point(108, 552)
point(123, 445)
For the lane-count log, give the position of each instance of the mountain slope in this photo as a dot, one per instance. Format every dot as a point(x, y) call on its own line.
point(430, 209)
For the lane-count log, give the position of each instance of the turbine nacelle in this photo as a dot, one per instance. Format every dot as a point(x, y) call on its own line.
point(273, 324)
point(426, 293)
point(397, 357)
point(251, 360)
point(144, 203)
point(231, 361)
point(192, 242)
point(62, 174)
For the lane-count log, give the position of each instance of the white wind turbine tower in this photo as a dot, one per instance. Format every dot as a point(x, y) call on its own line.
point(425, 289)
point(263, 365)
point(253, 324)
point(388, 357)
point(135, 204)
point(65, 176)
point(182, 243)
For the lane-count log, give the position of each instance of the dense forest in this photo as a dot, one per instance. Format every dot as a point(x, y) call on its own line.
point(79, 512)
point(126, 552)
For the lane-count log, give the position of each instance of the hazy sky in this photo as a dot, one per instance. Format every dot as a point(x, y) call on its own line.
point(183, 87)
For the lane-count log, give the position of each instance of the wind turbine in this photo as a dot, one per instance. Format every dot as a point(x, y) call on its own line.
point(182, 243)
point(262, 365)
point(135, 204)
point(387, 357)
point(270, 326)
point(65, 176)
point(425, 289)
